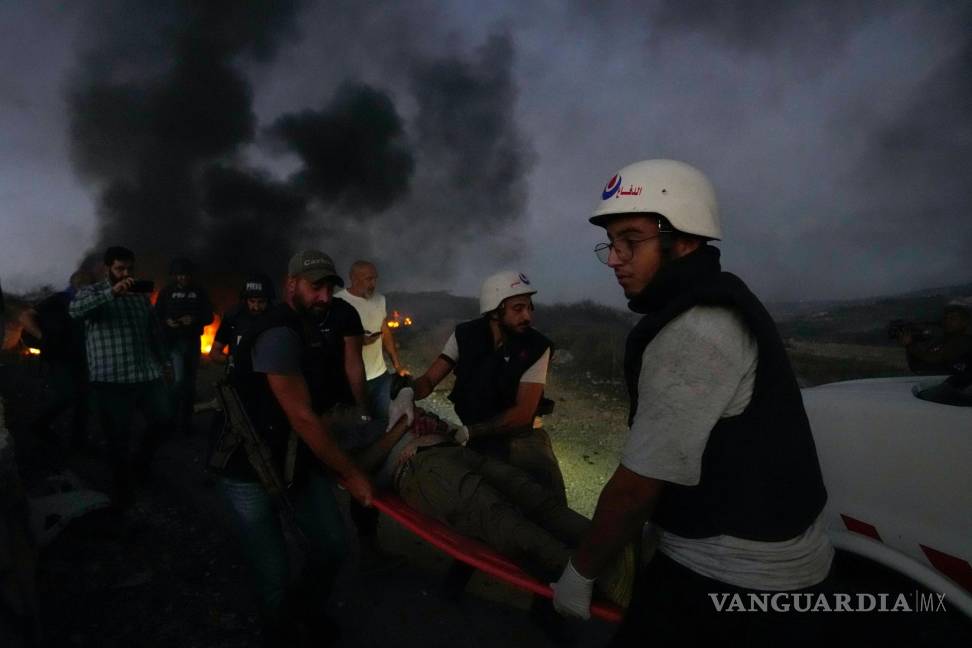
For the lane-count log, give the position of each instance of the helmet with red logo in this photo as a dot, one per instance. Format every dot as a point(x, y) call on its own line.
point(500, 286)
point(678, 191)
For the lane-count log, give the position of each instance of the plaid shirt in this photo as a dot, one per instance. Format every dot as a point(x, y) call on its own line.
point(122, 336)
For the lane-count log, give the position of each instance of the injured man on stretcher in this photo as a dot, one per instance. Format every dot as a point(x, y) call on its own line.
point(483, 498)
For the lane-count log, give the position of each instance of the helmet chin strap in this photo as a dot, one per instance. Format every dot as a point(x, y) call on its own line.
point(666, 237)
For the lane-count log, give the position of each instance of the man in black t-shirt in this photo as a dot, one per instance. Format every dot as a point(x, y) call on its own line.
point(345, 398)
point(341, 338)
point(278, 379)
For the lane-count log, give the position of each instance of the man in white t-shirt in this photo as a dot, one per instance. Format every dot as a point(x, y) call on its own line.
point(377, 335)
point(719, 454)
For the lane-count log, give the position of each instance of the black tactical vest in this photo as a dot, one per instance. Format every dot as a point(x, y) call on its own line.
point(488, 378)
point(760, 476)
point(261, 405)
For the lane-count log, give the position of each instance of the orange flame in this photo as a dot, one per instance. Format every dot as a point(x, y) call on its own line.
point(208, 336)
point(33, 351)
point(397, 320)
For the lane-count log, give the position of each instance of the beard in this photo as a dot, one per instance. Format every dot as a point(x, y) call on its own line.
point(519, 329)
point(314, 310)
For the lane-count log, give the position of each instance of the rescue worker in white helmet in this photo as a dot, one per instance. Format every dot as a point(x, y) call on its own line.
point(500, 362)
point(719, 455)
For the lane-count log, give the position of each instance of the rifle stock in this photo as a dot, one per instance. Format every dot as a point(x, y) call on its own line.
point(239, 430)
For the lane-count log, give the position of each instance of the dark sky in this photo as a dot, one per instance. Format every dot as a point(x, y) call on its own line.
point(448, 141)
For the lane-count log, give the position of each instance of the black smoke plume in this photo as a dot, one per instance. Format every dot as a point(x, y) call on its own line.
point(477, 157)
point(158, 100)
point(353, 151)
point(163, 126)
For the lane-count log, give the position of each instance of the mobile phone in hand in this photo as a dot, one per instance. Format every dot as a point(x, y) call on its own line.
point(142, 286)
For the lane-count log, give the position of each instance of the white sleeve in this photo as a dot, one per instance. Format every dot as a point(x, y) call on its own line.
point(451, 348)
point(692, 373)
point(537, 373)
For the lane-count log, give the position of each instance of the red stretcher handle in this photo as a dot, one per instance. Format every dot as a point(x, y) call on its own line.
point(476, 553)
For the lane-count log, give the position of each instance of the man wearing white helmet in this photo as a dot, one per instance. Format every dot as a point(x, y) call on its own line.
point(719, 454)
point(500, 362)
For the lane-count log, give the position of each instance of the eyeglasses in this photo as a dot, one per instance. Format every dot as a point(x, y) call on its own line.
point(623, 248)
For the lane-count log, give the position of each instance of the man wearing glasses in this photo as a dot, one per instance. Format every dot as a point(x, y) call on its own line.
point(719, 454)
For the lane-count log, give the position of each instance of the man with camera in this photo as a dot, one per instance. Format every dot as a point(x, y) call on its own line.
point(126, 363)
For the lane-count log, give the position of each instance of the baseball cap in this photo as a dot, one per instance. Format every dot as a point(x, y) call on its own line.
point(313, 266)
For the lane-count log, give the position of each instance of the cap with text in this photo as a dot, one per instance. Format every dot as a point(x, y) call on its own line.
point(313, 265)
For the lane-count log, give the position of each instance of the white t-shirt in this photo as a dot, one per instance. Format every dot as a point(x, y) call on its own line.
point(701, 367)
point(372, 312)
point(536, 373)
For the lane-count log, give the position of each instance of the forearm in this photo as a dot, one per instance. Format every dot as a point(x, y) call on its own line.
point(495, 428)
point(623, 507)
point(371, 458)
point(311, 429)
point(422, 386)
point(354, 370)
point(436, 373)
point(388, 343)
point(513, 419)
point(89, 301)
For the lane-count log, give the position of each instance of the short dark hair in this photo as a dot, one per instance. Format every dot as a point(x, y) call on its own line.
point(118, 253)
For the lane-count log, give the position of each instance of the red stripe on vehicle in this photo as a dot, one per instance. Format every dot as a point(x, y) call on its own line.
point(855, 525)
point(957, 569)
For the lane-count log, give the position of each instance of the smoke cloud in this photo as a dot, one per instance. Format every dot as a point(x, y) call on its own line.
point(163, 125)
point(353, 151)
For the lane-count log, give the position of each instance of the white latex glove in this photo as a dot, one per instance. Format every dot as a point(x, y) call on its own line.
point(403, 405)
point(461, 436)
point(572, 593)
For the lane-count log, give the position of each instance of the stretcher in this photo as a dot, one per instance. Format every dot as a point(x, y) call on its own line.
point(475, 553)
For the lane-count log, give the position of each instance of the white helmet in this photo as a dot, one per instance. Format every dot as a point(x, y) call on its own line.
point(500, 286)
point(675, 190)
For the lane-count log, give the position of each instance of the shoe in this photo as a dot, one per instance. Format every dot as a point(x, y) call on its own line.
point(553, 625)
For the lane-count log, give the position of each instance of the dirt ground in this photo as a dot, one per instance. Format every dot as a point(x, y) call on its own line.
point(170, 574)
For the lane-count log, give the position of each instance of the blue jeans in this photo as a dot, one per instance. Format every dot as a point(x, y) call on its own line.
point(379, 395)
point(265, 548)
point(184, 355)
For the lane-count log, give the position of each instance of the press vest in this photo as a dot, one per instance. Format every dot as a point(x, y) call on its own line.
point(174, 302)
point(760, 477)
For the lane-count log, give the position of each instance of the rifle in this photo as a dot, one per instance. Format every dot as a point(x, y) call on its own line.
point(238, 430)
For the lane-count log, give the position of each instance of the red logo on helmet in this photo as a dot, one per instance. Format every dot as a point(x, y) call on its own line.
point(611, 187)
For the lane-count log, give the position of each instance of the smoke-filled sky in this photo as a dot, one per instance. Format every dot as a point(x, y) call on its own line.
point(450, 140)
